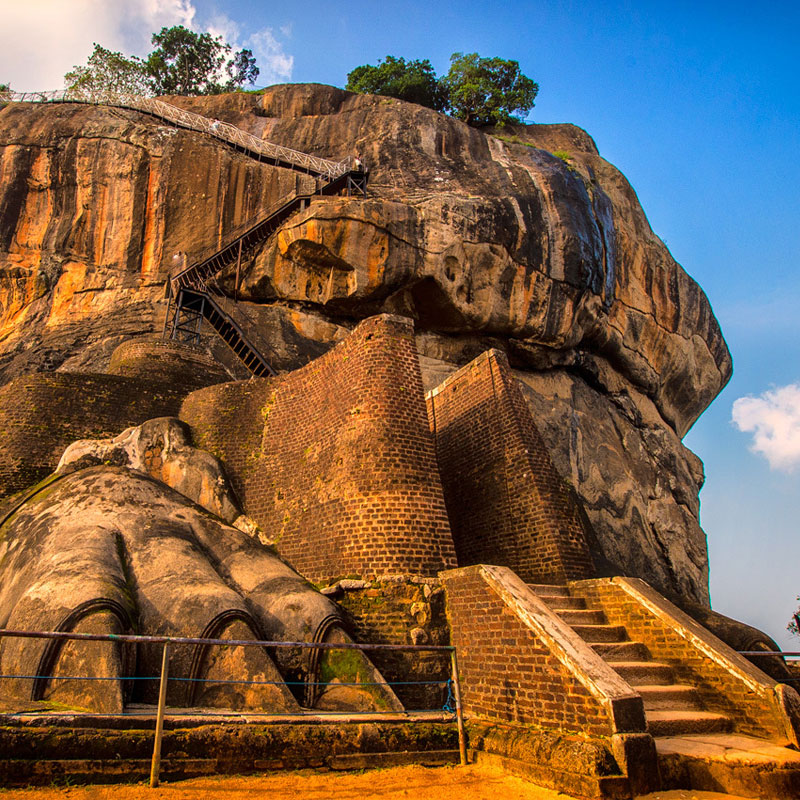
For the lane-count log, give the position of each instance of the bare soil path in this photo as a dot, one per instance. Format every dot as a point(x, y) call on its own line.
point(400, 783)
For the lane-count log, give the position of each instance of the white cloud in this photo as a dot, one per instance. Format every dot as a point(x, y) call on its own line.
point(274, 63)
point(774, 420)
point(41, 40)
point(224, 26)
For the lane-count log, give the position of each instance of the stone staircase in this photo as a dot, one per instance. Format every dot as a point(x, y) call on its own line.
point(671, 708)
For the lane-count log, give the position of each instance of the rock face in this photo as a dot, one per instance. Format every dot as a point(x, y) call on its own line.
point(108, 549)
point(485, 240)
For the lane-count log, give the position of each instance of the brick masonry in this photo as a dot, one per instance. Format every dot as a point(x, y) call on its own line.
point(335, 461)
point(753, 712)
point(41, 414)
point(508, 674)
point(506, 502)
point(402, 609)
point(155, 359)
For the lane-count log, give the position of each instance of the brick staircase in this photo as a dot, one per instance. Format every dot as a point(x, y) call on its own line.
point(671, 708)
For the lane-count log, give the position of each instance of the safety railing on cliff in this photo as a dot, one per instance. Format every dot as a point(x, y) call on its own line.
point(451, 707)
point(265, 151)
point(188, 293)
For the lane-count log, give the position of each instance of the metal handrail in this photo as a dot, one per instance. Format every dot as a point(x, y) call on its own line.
point(131, 637)
point(791, 653)
point(321, 167)
point(167, 641)
point(180, 279)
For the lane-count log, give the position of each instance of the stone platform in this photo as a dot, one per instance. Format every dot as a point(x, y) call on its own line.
point(45, 748)
point(720, 762)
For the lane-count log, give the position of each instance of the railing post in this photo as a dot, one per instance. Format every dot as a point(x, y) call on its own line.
point(155, 766)
point(462, 741)
point(238, 269)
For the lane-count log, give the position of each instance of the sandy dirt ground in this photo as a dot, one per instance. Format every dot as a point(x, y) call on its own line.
point(401, 783)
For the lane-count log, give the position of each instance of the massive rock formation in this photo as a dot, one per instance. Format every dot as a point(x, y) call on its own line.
point(485, 240)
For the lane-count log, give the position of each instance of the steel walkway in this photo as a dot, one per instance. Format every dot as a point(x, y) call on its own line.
point(263, 151)
point(190, 299)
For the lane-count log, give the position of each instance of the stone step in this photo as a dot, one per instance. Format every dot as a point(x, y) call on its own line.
point(622, 651)
point(682, 723)
point(558, 603)
point(669, 697)
point(725, 762)
point(583, 616)
point(644, 673)
point(601, 633)
point(549, 590)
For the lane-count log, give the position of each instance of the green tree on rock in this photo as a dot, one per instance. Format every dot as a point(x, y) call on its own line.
point(189, 63)
point(488, 91)
point(183, 62)
point(414, 81)
point(107, 73)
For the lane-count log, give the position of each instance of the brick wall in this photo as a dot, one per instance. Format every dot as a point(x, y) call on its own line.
point(509, 674)
point(402, 609)
point(153, 358)
point(722, 691)
point(41, 414)
point(335, 460)
point(506, 502)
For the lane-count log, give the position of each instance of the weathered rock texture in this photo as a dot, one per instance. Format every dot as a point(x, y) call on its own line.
point(108, 549)
point(484, 240)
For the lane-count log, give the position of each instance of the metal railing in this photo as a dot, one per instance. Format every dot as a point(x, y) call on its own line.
point(452, 683)
point(321, 167)
point(782, 665)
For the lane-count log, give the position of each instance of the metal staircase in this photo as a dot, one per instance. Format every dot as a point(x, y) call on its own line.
point(189, 293)
point(189, 298)
point(194, 306)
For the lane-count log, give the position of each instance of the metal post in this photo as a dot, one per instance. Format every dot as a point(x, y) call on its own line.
point(462, 741)
point(162, 699)
point(238, 267)
point(168, 294)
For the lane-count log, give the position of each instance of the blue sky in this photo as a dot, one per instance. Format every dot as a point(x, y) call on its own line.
point(697, 103)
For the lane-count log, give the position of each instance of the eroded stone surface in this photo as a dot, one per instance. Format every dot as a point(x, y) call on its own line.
point(486, 241)
point(110, 546)
point(161, 448)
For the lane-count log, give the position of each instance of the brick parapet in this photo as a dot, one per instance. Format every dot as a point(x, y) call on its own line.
point(41, 414)
point(727, 682)
point(506, 501)
point(335, 461)
point(520, 663)
point(166, 360)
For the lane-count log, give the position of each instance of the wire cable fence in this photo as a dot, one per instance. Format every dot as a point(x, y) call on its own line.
point(324, 168)
point(450, 709)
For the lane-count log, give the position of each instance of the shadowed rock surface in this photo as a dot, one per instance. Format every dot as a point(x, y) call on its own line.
point(486, 241)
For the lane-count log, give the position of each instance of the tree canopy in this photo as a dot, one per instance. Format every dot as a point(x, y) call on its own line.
point(183, 62)
point(414, 81)
point(488, 91)
point(480, 91)
point(189, 63)
point(794, 625)
point(108, 72)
